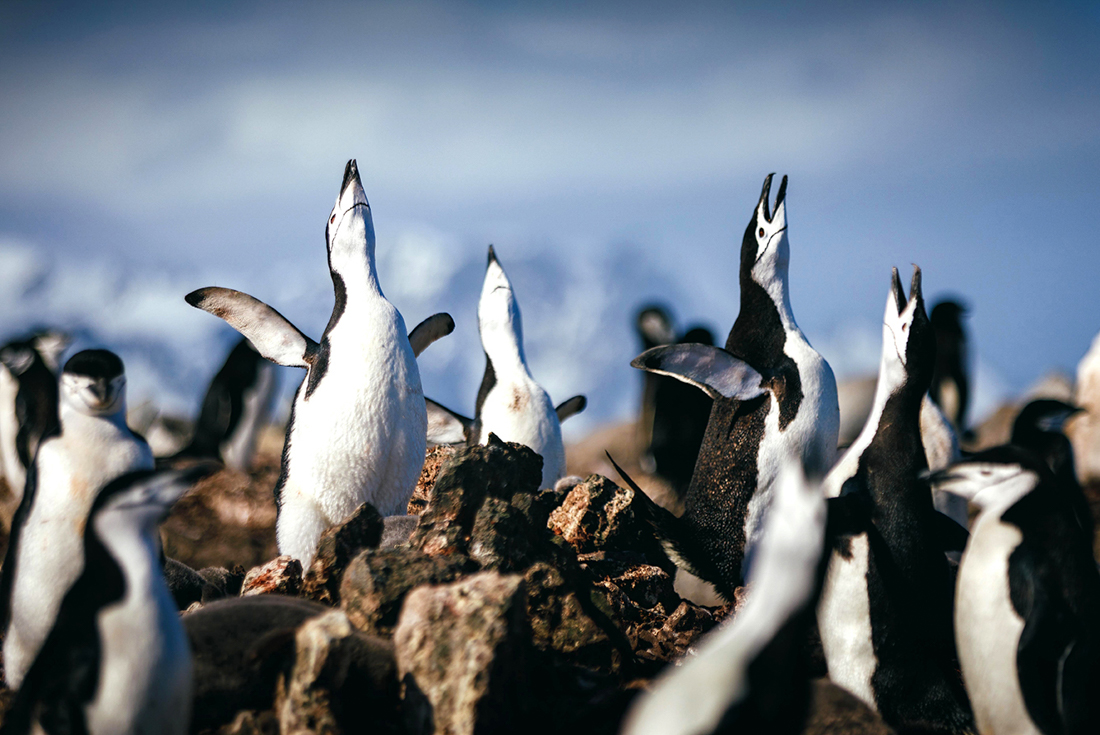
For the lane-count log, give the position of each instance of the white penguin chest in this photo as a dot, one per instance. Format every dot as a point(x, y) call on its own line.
point(9, 431)
point(844, 621)
point(520, 411)
point(988, 629)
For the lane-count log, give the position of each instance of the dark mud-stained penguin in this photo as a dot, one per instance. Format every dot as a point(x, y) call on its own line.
point(510, 403)
point(1038, 428)
point(774, 396)
point(357, 429)
point(751, 675)
point(951, 376)
point(885, 610)
point(116, 659)
point(91, 446)
point(28, 407)
point(235, 408)
point(1027, 606)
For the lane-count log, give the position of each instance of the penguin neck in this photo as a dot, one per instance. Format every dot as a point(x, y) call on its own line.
point(772, 286)
point(355, 277)
point(73, 417)
point(504, 349)
point(135, 548)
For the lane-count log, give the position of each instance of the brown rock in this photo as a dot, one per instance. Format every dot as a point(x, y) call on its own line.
point(338, 546)
point(282, 575)
point(433, 461)
point(462, 655)
point(376, 582)
point(339, 680)
point(250, 722)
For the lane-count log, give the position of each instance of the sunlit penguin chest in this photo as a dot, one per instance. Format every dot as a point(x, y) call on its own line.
point(363, 425)
point(519, 410)
point(989, 629)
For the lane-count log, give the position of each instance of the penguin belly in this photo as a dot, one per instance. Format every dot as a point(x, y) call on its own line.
point(521, 412)
point(51, 545)
point(359, 437)
point(988, 629)
point(145, 660)
point(844, 620)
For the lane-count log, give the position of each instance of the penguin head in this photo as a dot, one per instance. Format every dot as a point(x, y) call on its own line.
point(993, 479)
point(350, 229)
point(908, 344)
point(655, 326)
point(18, 357)
point(498, 317)
point(765, 252)
point(947, 315)
point(1044, 414)
point(145, 497)
point(94, 383)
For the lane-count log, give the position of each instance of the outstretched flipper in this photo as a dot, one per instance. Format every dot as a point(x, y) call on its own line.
point(710, 369)
point(571, 407)
point(445, 426)
point(669, 530)
point(269, 331)
point(429, 330)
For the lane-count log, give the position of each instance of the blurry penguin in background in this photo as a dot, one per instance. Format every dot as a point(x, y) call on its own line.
point(235, 409)
point(28, 401)
point(674, 414)
point(951, 375)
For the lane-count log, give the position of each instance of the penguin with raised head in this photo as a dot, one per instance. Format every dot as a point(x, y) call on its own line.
point(510, 403)
point(885, 610)
point(116, 659)
point(752, 674)
point(90, 446)
point(28, 407)
point(1027, 606)
point(774, 396)
point(951, 377)
point(358, 425)
point(235, 408)
point(1038, 429)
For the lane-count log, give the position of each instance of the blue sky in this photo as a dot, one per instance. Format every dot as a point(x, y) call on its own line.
point(612, 152)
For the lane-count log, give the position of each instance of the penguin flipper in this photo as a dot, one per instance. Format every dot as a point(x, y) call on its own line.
point(1044, 643)
point(270, 332)
point(444, 425)
point(668, 529)
point(949, 535)
point(571, 407)
point(429, 330)
point(710, 369)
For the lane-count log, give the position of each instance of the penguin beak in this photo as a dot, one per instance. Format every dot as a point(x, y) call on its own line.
point(897, 291)
point(764, 208)
point(351, 188)
point(915, 295)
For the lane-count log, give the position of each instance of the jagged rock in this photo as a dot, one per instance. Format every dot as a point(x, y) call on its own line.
point(462, 656)
point(397, 530)
point(598, 515)
point(494, 470)
point(502, 538)
point(584, 630)
point(250, 722)
point(377, 580)
point(338, 546)
point(647, 586)
point(282, 575)
point(433, 460)
point(340, 679)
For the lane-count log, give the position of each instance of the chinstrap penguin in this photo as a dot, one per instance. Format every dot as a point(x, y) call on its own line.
point(885, 610)
point(91, 446)
point(510, 403)
point(116, 659)
point(1027, 607)
point(951, 376)
point(28, 407)
point(358, 424)
point(774, 396)
point(751, 675)
point(235, 408)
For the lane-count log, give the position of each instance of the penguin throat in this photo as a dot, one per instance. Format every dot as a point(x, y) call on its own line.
point(504, 347)
point(357, 274)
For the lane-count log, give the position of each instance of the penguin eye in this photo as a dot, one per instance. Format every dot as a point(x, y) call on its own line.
point(760, 233)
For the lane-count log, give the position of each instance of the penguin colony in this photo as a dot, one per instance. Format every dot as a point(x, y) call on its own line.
point(853, 551)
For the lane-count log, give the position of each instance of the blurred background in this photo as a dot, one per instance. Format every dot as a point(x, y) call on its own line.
point(612, 152)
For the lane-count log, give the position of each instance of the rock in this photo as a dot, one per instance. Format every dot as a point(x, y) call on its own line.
point(340, 679)
point(598, 515)
point(282, 575)
point(250, 722)
point(494, 470)
point(502, 538)
point(433, 460)
point(376, 582)
point(647, 586)
point(396, 530)
point(338, 546)
point(462, 656)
